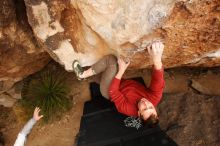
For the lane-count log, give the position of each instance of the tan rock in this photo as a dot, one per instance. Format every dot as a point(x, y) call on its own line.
point(6, 100)
point(20, 55)
point(6, 85)
point(207, 84)
point(15, 91)
point(176, 83)
point(88, 30)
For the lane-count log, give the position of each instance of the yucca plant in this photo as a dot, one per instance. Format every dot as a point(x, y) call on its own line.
point(47, 91)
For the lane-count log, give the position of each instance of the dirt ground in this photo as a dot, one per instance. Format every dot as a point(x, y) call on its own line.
point(60, 132)
point(188, 117)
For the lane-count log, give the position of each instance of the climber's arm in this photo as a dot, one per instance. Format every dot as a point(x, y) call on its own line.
point(122, 66)
point(155, 51)
point(157, 79)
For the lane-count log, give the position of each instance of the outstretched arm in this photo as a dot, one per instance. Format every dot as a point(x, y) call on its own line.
point(27, 128)
point(157, 79)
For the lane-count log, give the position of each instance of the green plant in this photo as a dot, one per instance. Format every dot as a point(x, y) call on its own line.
point(47, 91)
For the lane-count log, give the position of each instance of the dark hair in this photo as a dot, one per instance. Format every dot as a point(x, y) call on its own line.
point(152, 121)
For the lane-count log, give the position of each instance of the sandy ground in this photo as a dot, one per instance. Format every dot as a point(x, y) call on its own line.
point(188, 117)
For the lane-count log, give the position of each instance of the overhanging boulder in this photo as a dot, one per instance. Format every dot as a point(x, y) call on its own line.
point(87, 30)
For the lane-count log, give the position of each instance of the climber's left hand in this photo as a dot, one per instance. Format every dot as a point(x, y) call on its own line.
point(155, 51)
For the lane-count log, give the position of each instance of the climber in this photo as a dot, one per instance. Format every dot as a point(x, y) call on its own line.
point(21, 139)
point(130, 97)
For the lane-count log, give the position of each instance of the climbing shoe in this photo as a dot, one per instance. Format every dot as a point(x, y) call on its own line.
point(77, 69)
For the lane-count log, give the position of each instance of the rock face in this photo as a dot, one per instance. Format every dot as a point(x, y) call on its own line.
point(87, 30)
point(207, 84)
point(20, 55)
point(191, 119)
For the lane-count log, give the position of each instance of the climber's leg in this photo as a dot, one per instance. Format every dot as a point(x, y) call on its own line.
point(107, 66)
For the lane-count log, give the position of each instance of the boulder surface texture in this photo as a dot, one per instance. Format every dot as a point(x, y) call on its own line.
point(20, 54)
point(87, 30)
point(34, 31)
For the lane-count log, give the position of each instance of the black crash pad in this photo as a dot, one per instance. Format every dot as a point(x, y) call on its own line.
point(102, 125)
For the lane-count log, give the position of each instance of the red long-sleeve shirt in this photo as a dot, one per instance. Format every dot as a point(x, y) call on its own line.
point(126, 93)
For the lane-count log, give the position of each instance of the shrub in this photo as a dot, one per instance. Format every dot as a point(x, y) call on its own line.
point(47, 91)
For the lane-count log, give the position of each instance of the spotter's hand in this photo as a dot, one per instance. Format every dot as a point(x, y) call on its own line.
point(36, 115)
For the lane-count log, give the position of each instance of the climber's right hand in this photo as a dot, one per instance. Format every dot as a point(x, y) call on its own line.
point(122, 66)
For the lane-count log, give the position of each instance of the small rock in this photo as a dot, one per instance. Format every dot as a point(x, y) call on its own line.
point(3, 129)
point(6, 85)
point(6, 100)
point(208, 84)
point(199, 142)
point(15, 91)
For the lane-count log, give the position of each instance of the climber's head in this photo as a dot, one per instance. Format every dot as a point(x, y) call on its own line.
point(147, 112)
